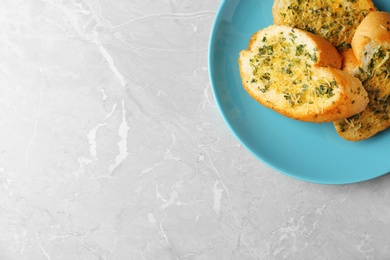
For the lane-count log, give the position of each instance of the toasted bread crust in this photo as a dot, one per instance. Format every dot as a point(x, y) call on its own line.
point(350, 63)
point(336, 21)
point(297, 74)
point(373, 31)
point(369, 61)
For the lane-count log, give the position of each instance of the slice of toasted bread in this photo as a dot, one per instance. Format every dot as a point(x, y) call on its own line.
point(369, 60)
point(296, 73)
point(334, 20)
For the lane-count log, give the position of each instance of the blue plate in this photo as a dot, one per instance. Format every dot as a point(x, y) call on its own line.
point(307, 151)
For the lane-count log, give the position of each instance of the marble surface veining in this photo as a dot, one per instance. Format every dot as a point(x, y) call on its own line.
point(112, 147)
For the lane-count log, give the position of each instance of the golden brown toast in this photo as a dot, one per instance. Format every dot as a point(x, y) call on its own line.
point(297, 74)
point(334, 20)
point(369, 60)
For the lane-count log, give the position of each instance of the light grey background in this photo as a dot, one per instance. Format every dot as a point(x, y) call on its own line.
point(112, 147)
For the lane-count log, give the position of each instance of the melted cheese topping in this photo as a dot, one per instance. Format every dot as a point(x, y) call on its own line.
point(335, 20)
point(284, 67)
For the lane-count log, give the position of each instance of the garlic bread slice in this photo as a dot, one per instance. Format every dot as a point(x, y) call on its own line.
point(296, 73)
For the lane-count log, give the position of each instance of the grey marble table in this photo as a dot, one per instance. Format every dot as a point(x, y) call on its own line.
point(112, 147)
